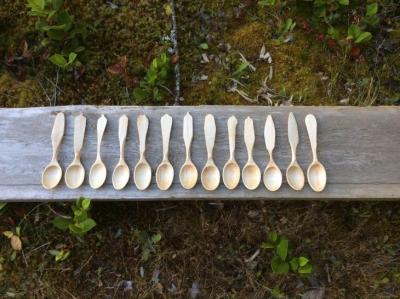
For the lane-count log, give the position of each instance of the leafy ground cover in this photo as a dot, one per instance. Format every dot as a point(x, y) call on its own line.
point(323, 52)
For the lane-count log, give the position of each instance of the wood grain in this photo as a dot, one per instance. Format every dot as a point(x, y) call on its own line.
point(360, 148)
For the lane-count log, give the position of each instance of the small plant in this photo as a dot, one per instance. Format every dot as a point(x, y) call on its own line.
point(60, 255)
point(80, 222)
point(153, 85)
point(283, 261)
point(284, 30)
point(15, 241)
point(59, 30)
point(147, 242)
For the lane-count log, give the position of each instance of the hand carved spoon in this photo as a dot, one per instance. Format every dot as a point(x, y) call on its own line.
point(142, 172)
point(316, 172)
point(231, 171)
point(210, 175)
point(272, 174)
point(165, 171)
point(294, 173)
point(121, 171)
point(98, 171)
point(75, 173)
point(52, 174)
point(251, 174)
point(188, 174)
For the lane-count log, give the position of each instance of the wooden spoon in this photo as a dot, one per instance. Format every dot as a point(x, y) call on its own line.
point(142, 172)
point(210, 175)
point(272, 175)
point(316, 173)
point(188, 174)
point(75, 173)
point(98, 171)
point(121, 171)
point(165, 171)
point(231, 171)
point(294, 173)
point(52, 174)
point(251, 174)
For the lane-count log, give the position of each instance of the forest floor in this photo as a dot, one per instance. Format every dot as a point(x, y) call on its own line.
point(207, 249)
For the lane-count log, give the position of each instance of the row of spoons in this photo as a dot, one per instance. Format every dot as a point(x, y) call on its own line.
point(210, 175)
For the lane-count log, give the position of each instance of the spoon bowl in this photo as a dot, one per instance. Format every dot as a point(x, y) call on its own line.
point(272, 177)
point(51, 176)
point(97, 175)
point(317, 176)
point(295, 176)
point(188, 175)
point(142, 175)
point(251, 175)
point(120, 176)
point(231, 174)
point(164, 175)
point(74, 175)
point(210, 177)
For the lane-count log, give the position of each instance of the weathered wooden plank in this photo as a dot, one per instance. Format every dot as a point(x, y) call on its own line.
point(360, 148)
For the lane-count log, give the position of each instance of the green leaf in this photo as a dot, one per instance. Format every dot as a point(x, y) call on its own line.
point(36, 5)
point(8, 233)
point(363, 37)
point(156, 238)
point(282, 249)
point(87, 225)
point(303, 261)
point(267, 245)
point(2, 205)
point(266, 2)
point(294, 264)
point(372, 9)
point(54, 252)
point(85, 201)
point(65, 19)
point(168, 10)
point(279, 266)
point(307, 269)
point(273, 236)
point(241, 68)
point(62, 223)
point(344, 2)
point(353, 32)
point(203, 46)
point(333, 33)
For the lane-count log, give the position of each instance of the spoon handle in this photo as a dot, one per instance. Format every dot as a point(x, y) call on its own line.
point(101, 127)
point(232, 123)
point(57, 133)
point(249, 137)
point(142, 125)
point(269, 134)
point(79, 133)
point(209, 134)
point(166, 125)
point(122, 132)
point(188, 133)
point(311, 124)
point(293, 135)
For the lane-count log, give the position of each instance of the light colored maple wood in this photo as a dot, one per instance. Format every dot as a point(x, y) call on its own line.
point(316, 173)
point(210, 175)
point(52, 174)
point(294, 173)
point(231, 170)
point(165, 171)
point(188, 174)
point(251, 174)
point(98, 171)
point(121, 171)
point(142, 171)
point(272, 176)
point(75, 173)
point(359, 147)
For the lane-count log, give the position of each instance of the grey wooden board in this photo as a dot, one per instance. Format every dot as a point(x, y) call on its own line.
point(360, 148)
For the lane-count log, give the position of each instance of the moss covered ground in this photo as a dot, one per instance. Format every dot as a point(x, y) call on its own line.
point(206, 248)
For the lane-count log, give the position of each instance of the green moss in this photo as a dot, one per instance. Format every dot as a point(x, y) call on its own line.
point(14, 93)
